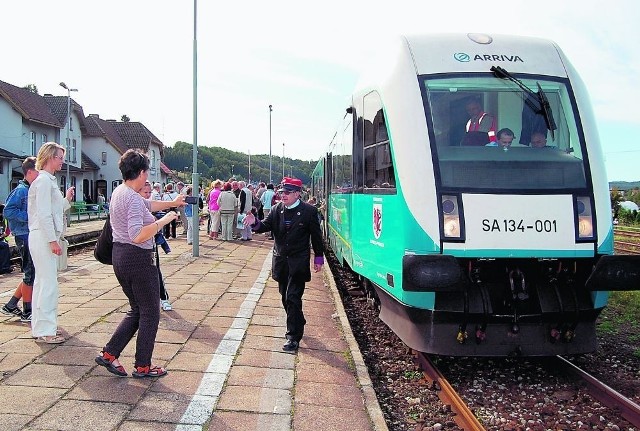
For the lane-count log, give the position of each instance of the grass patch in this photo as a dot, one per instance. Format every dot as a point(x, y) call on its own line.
point(620, 316)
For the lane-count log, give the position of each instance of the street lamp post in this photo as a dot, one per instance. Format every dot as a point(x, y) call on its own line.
point(283, 160)
point(194, 176)
point(232, 171)
point(68, 180)
point(249, 165)
point(270, 110)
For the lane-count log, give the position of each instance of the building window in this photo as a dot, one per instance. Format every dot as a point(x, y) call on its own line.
point(104, 157)
point(43, 139)
point(70, 123)
point(33, 143)
point(63, 184)
point(74, 147)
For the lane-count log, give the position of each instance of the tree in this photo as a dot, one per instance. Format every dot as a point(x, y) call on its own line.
point(616, 198)
point(32, 88)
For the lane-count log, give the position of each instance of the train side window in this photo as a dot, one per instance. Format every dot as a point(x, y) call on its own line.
point(379, 174)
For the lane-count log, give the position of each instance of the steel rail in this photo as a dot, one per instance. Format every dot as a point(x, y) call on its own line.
point(606, 395)
point(464, 417)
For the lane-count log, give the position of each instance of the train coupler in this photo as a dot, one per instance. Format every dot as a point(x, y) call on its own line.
point(518, 285)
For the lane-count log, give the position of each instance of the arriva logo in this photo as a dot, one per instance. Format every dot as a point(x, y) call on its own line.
point(463, 57)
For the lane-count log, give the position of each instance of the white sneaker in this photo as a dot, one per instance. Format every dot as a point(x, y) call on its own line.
point(166, 306)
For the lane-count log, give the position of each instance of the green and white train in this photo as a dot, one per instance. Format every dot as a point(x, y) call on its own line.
point(470, 248)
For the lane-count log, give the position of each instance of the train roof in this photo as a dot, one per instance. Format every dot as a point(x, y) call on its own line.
point(476, 52)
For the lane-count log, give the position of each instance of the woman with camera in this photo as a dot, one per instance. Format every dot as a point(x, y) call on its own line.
point(134, 228)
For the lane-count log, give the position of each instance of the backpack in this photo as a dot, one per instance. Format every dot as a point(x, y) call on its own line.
point(104, 245)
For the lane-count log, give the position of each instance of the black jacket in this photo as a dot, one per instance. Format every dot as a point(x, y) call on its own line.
point(291, 248)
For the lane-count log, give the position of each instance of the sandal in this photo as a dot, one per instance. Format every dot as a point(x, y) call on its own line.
point(106, 360)
point(51, 339)
point(149, 371)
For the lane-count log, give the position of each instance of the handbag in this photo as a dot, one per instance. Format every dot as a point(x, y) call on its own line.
point(104, 245)
point(240, 224)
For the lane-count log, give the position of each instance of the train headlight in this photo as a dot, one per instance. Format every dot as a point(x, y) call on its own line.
point(451, 226)
point(584, 218)
point(451, 218)
point(585, 227)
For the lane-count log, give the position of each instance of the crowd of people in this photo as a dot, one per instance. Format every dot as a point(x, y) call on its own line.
point(142, 217)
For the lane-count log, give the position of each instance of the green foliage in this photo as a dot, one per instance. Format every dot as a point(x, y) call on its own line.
point(412, 375)
point(633, 196)
point(616, 198)
point(217, 163)
point(32, 88)
point(628, 217)
point(627, 307)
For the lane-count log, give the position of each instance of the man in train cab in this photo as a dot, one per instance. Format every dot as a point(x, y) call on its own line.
point(479, 124)
point(293, 223)
point(538, 140)
point(505, 138)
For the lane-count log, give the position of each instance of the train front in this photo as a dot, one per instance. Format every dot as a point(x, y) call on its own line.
point(523, 205)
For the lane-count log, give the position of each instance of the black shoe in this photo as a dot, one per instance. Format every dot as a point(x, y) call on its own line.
point(291, 346)
point(15, 311)
point(26, 317)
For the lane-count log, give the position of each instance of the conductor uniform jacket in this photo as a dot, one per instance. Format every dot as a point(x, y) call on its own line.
point(291, 252)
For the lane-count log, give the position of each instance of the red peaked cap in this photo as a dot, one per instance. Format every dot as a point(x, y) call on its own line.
point(290, 184)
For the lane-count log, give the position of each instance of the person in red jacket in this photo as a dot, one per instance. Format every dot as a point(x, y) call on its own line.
point(480, 121)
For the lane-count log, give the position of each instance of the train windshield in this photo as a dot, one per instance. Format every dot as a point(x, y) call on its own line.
point(489, 133)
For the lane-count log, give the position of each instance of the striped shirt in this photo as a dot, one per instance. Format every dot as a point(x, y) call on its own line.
point(129, 212)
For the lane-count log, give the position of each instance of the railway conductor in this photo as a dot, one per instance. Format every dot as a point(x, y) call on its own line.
point(292, 222)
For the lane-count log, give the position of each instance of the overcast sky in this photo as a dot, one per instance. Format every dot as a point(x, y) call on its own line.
point(135, 57)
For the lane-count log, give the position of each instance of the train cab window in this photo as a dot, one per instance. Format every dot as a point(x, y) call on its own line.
point(538, 158)
point(379, 174)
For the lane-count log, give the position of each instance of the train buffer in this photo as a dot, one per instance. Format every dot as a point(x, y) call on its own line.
point(221, 344)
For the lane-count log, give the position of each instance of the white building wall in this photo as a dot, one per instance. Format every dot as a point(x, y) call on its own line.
point(109, 172)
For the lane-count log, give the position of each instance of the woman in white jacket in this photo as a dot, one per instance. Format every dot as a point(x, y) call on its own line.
point(45, 208)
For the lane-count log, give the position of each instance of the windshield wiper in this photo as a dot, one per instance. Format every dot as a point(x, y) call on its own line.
point(544, 108)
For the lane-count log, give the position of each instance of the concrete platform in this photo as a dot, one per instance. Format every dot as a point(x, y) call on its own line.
point(221, 344)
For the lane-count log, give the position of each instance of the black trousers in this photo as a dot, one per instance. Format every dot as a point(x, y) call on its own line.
point(164, 295)
point(291, 292)
point(170, 229)
point(137, 274)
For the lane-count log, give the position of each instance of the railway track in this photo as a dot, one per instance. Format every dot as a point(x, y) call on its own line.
point(73, 246)
point(464, 417)
point(627, 409)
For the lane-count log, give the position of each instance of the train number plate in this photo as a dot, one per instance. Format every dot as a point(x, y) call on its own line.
point(511, 225)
